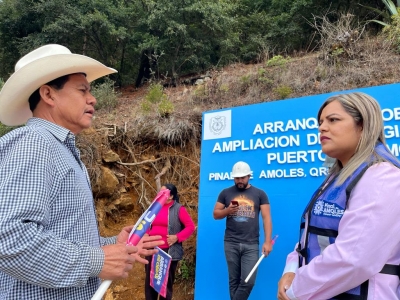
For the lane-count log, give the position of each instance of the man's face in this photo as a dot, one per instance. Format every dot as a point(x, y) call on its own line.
point(74, 104)
point(242, 182)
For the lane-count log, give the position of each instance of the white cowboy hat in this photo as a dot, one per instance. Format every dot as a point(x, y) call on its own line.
point(37, 68)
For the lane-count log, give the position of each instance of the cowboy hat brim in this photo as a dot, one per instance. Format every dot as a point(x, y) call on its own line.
point(14, 106)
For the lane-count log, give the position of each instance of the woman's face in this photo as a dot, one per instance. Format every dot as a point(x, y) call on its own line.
point(170, 197)
point(339, 132)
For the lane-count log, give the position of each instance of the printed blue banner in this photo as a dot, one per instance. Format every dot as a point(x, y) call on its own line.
point(159, 271)
point(280, 142)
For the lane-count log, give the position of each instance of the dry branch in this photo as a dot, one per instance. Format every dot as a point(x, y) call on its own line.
point(163, 171)
point(139, 163)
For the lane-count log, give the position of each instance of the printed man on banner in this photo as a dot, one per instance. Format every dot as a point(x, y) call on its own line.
point(241, 205)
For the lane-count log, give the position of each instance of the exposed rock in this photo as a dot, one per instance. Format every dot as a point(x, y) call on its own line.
point(125, 202)
point(111, 156)
point(107, 183)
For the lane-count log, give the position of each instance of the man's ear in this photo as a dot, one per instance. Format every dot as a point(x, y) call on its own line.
point(46, 94)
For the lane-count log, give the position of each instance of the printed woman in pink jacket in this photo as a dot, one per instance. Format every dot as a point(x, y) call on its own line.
point(174, 225)
point(349, 244)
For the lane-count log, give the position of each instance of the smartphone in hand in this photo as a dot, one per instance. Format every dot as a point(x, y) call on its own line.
point(235, 203)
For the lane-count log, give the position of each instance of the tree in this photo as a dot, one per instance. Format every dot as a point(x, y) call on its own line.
point(163, 38)
point(95, 28)
point(185, 36)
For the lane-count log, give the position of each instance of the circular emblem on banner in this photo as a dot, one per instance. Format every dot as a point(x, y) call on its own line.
point(217, 124)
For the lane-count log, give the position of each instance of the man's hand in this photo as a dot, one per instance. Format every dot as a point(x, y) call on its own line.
point(267, 247)
point(220, 211)
point(146, 247)
point(118, 261)
point(284, 284)
point(232, 209)
point(122, 237)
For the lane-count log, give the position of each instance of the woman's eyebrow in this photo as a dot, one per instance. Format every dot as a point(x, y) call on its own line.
point(332, 114)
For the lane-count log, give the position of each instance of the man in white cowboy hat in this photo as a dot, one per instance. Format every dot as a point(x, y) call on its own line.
point(50, 245)
point(241, 204)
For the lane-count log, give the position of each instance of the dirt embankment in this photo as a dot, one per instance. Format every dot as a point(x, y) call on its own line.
point(123, 173)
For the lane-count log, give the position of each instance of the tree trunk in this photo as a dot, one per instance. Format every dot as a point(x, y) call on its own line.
point(146, 62)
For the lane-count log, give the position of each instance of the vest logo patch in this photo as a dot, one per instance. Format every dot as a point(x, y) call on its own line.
point(326, 209)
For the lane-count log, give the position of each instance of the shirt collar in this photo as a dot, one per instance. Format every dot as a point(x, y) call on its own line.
point(58, 131)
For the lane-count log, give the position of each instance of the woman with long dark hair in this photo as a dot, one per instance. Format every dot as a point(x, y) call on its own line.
point(174, 225)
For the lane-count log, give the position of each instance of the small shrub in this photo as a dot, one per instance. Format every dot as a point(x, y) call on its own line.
point(263, 78)
point(155, 94)
point(245, 82)
point(337, 51)
point(277, 60)
point(165, 108)
point(283, 91)
point(245, 79)
point(186, 270)
point(1, 83)
point(105, 94)
point(157, 101)
point(393, 32)
point(265, 81)
point(145, 107)
point(340, 40)
point(261, 72)
point(200, 91)
point(321, 73)
point(224, 88)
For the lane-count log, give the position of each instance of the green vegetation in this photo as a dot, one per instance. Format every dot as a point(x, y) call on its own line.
point(164, 39)
point(105, 94)
point(165, 107)
point(3, 128)
point(186, 270)
point(201, 93)
point(155, 94)
point(393, 32)
point(391, 11)
point(277, 60)
point(245, 79)
point(156, 101)
point(283, 91)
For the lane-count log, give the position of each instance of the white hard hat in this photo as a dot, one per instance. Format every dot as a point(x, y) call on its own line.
point(240, 169)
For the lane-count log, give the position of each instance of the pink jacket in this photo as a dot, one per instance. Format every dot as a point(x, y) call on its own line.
point(369, 238)
point(160, 225)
